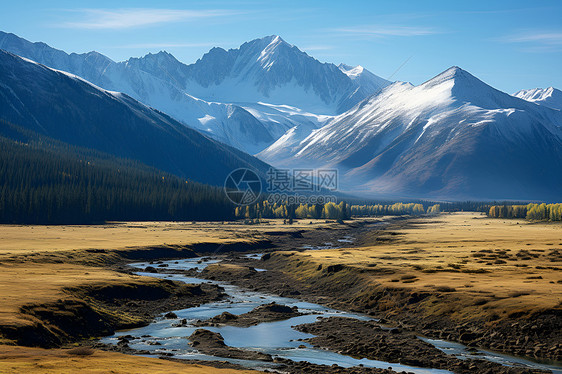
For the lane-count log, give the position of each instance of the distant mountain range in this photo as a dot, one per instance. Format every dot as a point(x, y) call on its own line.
point(452, 137)
point(550, 97)
point(67, 108)
point(221, 94)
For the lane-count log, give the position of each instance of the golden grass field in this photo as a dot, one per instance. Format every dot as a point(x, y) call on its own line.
point(17, 360)
point(505, 265)
point(24, 239)
point(29, 272)
point(39, 283)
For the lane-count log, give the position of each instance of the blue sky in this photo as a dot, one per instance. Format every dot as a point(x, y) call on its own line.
point(508, 44)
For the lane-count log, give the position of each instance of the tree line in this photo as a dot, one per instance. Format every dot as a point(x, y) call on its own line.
point(395, 209)
point(50, 182)
point(265, 209)
point(330, 210)
point(535, 212)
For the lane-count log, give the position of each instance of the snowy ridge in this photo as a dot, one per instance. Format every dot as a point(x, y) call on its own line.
point(452, 137)
point(550, 96)
point(273, 71)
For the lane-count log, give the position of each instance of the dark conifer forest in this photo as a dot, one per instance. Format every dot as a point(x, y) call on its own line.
point(46, 181)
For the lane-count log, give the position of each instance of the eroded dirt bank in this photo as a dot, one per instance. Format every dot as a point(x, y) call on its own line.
point(101, 309)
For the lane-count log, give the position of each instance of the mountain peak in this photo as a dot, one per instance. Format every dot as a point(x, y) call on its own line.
point(162, 55)
point(453, 73)
point(266, 45)
point(158, 58)
point(460, 83)
point(273, 39)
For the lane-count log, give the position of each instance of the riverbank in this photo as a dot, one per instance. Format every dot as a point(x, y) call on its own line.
point(366, 339)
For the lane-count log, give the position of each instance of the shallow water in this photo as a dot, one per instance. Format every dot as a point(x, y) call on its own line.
point(461, 352)
point(275, 338)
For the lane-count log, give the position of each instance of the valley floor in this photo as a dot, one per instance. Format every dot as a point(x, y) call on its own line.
point(464, 277)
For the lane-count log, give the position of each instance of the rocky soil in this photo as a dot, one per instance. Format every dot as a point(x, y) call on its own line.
point(367, 339)
point(212, 343)
point(264, 313)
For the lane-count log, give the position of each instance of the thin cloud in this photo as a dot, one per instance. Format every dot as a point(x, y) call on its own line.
point(388, 30)
point(535, 41)
point(548, 38)
point(138, 17)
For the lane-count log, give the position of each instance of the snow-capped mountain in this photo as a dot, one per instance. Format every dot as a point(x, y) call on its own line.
point(450, 137)
point(274, 71)
point(90, 66)
point(204, 95)
point(550, 96)
point(66, 107)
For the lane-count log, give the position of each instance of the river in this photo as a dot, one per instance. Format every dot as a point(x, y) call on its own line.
point(278, 339)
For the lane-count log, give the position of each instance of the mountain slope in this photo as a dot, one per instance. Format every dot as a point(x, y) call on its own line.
point(70, 109)
point(49, 182)
point(550, 97)
point(90, 66)
point(451, 137)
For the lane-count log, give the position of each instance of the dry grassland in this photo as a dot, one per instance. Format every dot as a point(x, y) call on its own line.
point(16, 360)
point(498, 266)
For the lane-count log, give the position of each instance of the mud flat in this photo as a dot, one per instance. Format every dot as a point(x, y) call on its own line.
point(212, 343)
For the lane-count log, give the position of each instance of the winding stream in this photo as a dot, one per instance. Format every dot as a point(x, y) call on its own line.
point(278, 338)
